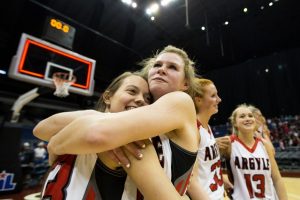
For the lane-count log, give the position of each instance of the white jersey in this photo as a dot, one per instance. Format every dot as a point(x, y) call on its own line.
point(251, 170)
point(71, 178)
point(209, 165)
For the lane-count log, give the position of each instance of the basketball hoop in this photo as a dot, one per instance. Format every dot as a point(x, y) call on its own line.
point(62, 82)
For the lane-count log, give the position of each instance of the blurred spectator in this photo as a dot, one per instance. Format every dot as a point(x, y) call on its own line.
point(281, 145)
point(40, 153)
point(283, 131)
point(295, 140)
point(26, 156)
point(286, 131)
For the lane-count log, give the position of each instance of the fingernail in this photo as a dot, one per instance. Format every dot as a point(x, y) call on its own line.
point(128, 165)
point(143, 146)
point(140, 155)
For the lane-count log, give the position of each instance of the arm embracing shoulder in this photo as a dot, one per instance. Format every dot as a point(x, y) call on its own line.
point(98, 133)
point(48, 127)
point(276, 176)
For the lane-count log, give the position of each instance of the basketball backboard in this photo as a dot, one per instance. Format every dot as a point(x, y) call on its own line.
point(37, 60)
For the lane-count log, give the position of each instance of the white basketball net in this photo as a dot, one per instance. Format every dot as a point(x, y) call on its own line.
point(62, 82)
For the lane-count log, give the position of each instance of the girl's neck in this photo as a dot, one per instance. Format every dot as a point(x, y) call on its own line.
point(247, 138)
point(204, 119)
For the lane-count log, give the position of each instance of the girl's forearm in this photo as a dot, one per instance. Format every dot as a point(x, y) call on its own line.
point(50, 126)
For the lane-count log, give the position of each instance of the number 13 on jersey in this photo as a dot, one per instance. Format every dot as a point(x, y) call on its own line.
point(255, 185)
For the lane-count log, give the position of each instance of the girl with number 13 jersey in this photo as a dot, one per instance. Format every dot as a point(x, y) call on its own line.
point(252, 169)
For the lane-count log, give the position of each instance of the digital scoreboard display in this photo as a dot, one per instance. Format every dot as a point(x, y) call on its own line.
point(59, 32)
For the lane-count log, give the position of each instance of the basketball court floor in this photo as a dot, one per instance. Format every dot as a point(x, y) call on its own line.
point(292, 185)
point(293, 188)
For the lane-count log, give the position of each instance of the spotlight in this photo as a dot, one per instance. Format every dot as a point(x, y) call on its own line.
point(226, 23)
point(127, 2)
point(148, 11)
point(245, 10)
point(152, 9)
point(164, 2)
point(152, 18)
point(2, 71)
point(271, 4)
point(266, 70)
point(134, 5)
point(262, 7)
point(203, 28)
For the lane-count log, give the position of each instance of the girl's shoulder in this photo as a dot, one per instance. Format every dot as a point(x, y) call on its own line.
point(180, 94)
point(178, 98)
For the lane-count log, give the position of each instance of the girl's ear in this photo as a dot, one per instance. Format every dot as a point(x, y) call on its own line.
point(106, 98)
point(186, 86)
point(198, 99)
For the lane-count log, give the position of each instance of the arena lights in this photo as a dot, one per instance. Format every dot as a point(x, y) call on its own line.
point(165, 2)
point(2, 72)
point(134, 5)
point(270, 4)
point(130, 3)
point(152, 9)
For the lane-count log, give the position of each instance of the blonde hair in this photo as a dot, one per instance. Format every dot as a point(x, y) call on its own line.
point(257, 112)
point(189, 69)
point(201, 83)
point(199, 90)
point(232, 118)
point(261, 119)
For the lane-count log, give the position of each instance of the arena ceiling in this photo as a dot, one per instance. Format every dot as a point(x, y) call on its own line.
point(117, 36)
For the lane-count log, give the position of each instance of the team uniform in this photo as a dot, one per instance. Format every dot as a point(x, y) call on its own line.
point(177, 163)
point(83, 177)
point(110, 182)
point(251, 171)
point(209, 165)
point(86, 177)
point(71, 177)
